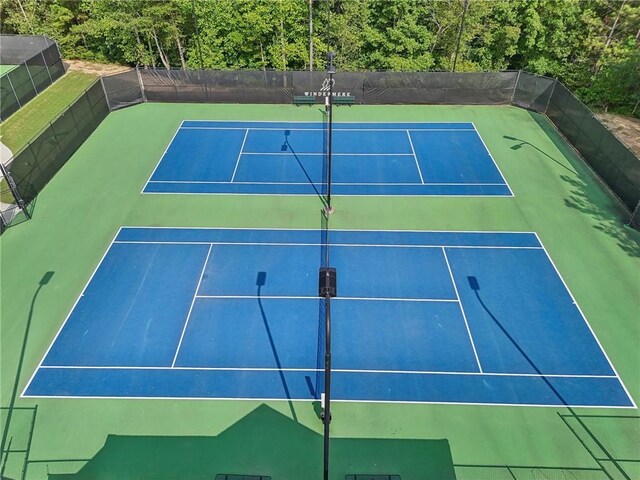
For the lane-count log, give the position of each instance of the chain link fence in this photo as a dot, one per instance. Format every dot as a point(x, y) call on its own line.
point(36, 64)
point(122, 89)
point(33, 166)
point(614, 163)
point(368, 88)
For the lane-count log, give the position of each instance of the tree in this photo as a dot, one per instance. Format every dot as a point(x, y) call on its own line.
point(590, 45)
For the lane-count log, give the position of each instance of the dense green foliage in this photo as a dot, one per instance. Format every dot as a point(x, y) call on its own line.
point(591, 45)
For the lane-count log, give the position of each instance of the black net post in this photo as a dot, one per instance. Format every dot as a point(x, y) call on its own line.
point(326, 413)
point(327, 288)
point(331, 71)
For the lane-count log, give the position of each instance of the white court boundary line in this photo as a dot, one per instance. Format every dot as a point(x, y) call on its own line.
point(113, 241)
point(586, 321)
point(290, 229)
point(317, 122)
point(336, 299)
point(340, 370)
point(313, 154)
point(75, 304)
point(142, 192)
point(464, 316)
point(284, 244)
point(278, 129)
point(333, 400)
point(493, 159)
point(193, 302)
point(381, 195)
point(409, 184)
point(415, 157)
point(244, 140)
point(473, 129)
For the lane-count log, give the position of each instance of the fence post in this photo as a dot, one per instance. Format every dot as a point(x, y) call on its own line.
point(14, 191)
point(106, 97)
point(515, 87)
point(634, 221)
point(14, 91)
point(144, 95)
point(44, 60)
point(30, 77)
point(553, 89)
point(60, 56)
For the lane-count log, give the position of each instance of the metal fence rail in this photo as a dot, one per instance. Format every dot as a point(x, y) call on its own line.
point(38, 65)
point(618, 167)
point(613, 161)
point(33, 166)
point(615, 164)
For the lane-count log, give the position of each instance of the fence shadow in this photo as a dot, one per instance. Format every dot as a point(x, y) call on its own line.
point(589, 438)
point(6, 448)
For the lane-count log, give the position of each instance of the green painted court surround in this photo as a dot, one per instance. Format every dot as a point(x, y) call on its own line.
point(79, 212)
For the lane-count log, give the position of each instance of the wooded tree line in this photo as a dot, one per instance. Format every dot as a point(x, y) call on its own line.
point(593, 46)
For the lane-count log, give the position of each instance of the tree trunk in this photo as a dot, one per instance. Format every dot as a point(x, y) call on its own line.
point(139, 44)
point(24, 14)
point(596, 67)
point(311, 35)
point(151, 54)
point(465, 7)
point(163, 57)
point(264, 60)
point(441, 29)
point(180, 50)
point(284, 51)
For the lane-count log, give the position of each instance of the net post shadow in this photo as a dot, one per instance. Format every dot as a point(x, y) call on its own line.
point(474, 285)
point(522, 143)
point(261, 280)
point(286, 146)
point(46, 278)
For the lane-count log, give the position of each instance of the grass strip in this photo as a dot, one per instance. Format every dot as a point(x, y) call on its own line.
point(23, 125)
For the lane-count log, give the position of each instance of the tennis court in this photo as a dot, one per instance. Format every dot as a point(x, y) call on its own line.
point(289, 158)
point(438, 317)
point(188, 327)
point(6, 68)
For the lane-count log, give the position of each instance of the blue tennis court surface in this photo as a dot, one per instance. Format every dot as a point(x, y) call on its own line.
point(279, 158)
point(444, 317)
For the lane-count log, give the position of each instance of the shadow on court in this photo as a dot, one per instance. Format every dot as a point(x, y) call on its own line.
point(586, 193)
point(520, 143)
point(261, 280)
point(14, 434)
point(265, 442)
point(287, 147)
point(610, 463)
